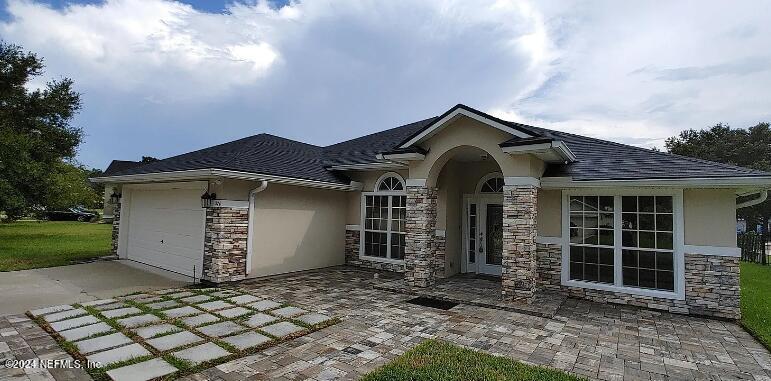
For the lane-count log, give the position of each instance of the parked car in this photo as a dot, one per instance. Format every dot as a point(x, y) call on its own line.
point(72, 214)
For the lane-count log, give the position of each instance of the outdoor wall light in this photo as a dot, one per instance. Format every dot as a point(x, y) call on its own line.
point(115, 197)
point(208, 199)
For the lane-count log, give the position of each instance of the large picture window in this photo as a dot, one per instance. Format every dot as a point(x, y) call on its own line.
point(622, 241)
point(384, 214)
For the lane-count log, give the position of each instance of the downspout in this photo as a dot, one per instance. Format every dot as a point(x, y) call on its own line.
point(249, 233)
point(762, 196)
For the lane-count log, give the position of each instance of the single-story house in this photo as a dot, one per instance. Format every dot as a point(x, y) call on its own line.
point(463, 192)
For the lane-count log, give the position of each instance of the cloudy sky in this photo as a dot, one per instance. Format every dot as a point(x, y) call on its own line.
point(162, 77)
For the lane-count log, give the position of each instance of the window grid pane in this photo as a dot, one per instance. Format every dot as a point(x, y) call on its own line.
point(647, 242)
point(592, 239)
point(384, 224)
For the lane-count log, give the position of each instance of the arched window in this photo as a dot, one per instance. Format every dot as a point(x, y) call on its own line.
point(384, 219)
point(390, 183)
point(491, 183)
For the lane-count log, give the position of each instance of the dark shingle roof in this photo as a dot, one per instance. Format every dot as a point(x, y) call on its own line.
point(596, 159)
point(120, 165)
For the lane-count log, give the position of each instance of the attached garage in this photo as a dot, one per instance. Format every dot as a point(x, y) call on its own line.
point(162, 225)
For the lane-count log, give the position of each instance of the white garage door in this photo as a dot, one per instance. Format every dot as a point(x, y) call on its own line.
point(166, 228)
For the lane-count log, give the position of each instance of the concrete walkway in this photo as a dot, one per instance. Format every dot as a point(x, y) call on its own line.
point(29, 289)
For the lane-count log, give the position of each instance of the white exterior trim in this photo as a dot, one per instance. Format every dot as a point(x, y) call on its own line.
point(719, 251)
point(352, 227)
point(415, 182)
point(250, 225)
point(387, 175)
point(483, 180)
point(367, 166)
point(549, 240)
point(678, 245)
point(362, 230)
point(435, 126)
point(198, 174)
point(521, 180)
point(558, 147)
point(725, 182)
point(404, 156)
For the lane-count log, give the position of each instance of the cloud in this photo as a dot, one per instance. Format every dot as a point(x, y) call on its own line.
point(160, 77)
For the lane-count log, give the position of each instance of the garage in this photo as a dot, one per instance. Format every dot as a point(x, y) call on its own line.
point(165, 226)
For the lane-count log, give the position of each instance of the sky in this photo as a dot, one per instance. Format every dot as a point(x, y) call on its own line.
point(161, 77)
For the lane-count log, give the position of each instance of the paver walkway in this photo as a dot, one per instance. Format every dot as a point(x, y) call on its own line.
point(599, 341)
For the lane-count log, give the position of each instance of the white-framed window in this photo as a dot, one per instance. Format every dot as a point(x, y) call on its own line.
point(384, 214)
point(626, 240)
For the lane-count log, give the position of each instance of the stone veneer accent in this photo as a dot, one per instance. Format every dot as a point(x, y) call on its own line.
point(518, 270)
point(224, 255)
point(711, 285)
point(352, 242)
point(440, 253)
point(115, 229)
point(421, 230)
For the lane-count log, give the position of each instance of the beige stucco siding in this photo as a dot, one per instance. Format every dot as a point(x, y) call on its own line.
point(297, 228)
point(549, 217)
point(709, 217)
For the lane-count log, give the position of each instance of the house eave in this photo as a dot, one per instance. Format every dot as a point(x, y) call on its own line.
point(551, 152)
point(375, 166)
point(740, 183)
point(210, 173)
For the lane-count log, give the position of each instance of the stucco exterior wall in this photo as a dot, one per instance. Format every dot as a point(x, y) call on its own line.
point(549, 223)
point(297, 228)
point(709, 217)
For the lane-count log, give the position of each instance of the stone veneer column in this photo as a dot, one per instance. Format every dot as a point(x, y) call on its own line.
point(115, 228)
point(224, 256)
point(421, 228)
point(518, 271)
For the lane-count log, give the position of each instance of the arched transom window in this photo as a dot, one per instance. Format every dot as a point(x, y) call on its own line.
point(384, 215)
point(492, 183)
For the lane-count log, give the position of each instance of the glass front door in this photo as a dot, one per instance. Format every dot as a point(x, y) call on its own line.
point(484, 236)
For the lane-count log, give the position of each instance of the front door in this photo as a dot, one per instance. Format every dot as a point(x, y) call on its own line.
point(484, 235)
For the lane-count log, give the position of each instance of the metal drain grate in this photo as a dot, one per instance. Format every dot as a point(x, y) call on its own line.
point(433, 303)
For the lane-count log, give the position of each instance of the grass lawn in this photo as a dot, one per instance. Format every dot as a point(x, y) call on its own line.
point(32, 244)
point(438, 360)
point(756, 300)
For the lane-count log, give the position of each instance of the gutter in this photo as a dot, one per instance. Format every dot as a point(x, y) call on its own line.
point(249, 233)
point(762, 196)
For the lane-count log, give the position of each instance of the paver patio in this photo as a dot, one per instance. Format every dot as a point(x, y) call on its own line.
point(599, 341)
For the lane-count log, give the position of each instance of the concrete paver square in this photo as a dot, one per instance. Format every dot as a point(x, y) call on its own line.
point(246, 340)
point(64, 315)
point(196, 299)
point(86, 331)
point(225, 293)
point(52, 309)
point(313, 318)
point(121, 312)
point(143, 371)
point(234, 312)
point(281, 329)
point(221, 329)
point(264, 305)
point(180, 295)
point(110, 306)
point(154, 330)
point(64, 325)
point(168, 291)
point(215, 305)
point(137, 296)
point(163, 305)
point(182, 311)
point(119, 354)
point(136, 321)
point(244, 299)
point(195, 321)
point(98, 302)
point(289, 311)
point(175, 340)
point(103, 342)
point(201, 353)
point(260, 319)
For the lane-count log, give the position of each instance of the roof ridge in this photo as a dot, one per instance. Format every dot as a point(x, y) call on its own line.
point(379, 132)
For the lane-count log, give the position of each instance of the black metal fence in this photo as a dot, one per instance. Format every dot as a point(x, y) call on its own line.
point(754, 247)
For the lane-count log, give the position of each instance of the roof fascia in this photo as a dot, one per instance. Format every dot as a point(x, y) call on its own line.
point(738, 182)
point(558, 147)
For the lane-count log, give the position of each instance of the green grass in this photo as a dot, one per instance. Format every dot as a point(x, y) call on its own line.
point(438, 360)
point(756, 300)
point(32, 244)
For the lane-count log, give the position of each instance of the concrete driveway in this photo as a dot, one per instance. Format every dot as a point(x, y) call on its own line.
point(29, 289)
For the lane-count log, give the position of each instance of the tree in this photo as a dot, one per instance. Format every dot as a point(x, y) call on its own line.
point(750, 148)
point(36, 135)
point(148, 159)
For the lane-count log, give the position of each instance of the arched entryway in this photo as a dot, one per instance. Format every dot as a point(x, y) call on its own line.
point(482, 227)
